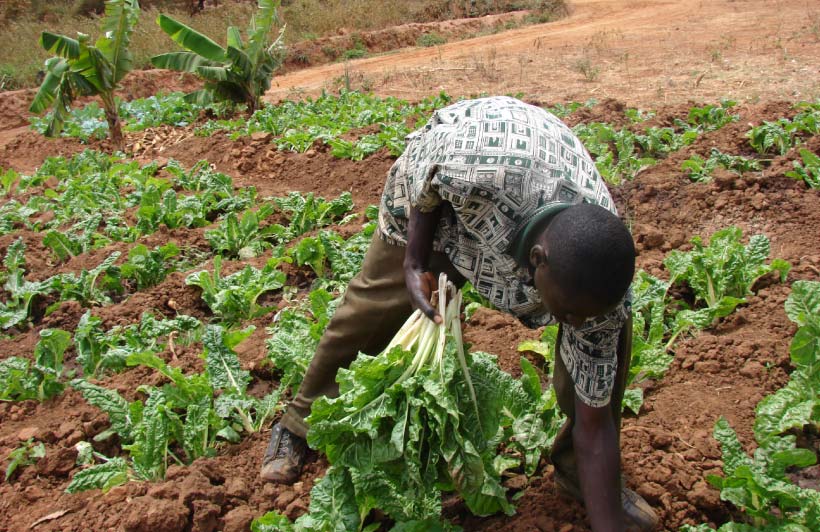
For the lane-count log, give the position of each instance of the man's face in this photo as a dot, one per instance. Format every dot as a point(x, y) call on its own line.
point(566, 307)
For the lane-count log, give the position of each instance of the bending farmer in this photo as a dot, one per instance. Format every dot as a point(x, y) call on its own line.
point(502, 194)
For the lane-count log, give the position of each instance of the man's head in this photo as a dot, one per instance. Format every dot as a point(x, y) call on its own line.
point(583, 261)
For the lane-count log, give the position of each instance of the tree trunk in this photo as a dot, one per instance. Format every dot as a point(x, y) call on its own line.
point(114, 124)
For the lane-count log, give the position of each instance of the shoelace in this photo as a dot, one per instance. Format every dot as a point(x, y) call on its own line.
point(283, 449)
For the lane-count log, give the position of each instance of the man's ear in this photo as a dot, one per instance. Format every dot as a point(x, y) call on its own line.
point(538, 256)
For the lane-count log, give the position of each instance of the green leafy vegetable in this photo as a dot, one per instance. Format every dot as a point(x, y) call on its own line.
point(20, 380)
point(16, 310)
point(808, 171)
point(420, 417)
point(295, 333)
point(722, 274)
point(149, 268)
point(245, 238)
point(27, 454)
point(798, 403)
point(233, 298)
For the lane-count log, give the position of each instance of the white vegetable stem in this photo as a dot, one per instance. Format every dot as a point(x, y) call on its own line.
point(427, 339)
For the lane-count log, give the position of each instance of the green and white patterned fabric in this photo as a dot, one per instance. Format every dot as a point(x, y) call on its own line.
point(496, 164)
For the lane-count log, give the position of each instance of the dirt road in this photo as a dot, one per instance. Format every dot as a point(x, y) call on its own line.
point(641, 51)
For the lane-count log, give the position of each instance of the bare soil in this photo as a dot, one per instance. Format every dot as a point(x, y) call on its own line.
point(667, 450)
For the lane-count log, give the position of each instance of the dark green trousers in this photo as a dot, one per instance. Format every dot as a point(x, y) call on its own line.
point(374, 308)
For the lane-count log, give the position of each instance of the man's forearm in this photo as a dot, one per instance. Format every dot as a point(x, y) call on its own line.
point(598, 459)
point(420, 233)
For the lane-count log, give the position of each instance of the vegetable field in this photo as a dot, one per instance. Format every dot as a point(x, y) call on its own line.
point(159, 306)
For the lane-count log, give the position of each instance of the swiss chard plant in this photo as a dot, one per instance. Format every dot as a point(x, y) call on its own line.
point(781, 135)
point(310, 212)
point(722, 273)
point(189, 412)
point(797, 405)
point(16, 310)
point(92, 287)
point(700, 170)
point(295, 334)
point(148, 268)
point(245, 238)
point(711, 117)
point(200, 178)
point(420, 417)
point(807, 169)
point(233, 298)
point(334, 259)
point(99, 350)
point(760, 487)
point(76, 240)
point(21, 380)
point(28, 453)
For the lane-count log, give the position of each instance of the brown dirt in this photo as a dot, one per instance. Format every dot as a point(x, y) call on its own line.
point(643, 52)
point(667, 450)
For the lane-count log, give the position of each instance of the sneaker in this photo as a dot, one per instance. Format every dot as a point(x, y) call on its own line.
point(284, 457)
point(638, 515)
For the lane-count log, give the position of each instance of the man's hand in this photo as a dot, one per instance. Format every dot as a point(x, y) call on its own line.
point(421, 285)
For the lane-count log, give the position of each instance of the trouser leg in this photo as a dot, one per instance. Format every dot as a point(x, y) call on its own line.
point(374, 307)
point(562, 454)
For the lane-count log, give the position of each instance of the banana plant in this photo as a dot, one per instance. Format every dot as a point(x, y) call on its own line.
point(80, 68)
point(241, 72)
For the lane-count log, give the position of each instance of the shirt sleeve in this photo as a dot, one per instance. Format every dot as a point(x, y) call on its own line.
point(590, 354)
point(427, 150)
point(423, 193)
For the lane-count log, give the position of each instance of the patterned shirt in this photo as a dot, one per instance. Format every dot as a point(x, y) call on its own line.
point(494, 164)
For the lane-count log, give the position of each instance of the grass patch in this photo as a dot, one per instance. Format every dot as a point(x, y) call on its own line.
point(427, 40)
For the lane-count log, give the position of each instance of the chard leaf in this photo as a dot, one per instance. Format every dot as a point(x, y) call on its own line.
point(101, 476)
point(222, 364)
point(195, 439)
point(151, 437)
point(109, 401)
point(272, 521)
point(332, 504)
point(633, 399)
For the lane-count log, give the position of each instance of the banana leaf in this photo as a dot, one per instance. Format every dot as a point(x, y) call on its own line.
point(191, 39)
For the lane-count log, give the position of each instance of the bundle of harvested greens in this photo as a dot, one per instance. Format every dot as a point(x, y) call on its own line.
point(419, 418)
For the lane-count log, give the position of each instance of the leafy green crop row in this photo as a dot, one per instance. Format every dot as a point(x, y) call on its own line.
point(781, 135)
point(295, 126)
point(760, 485)
point(139, 114)
point(191, 414)
point(700, 170)
point(93, 192)
point(620, 154)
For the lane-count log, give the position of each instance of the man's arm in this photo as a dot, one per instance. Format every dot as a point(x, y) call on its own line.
point(598, 457)
point(420, 282)
point(597, 448)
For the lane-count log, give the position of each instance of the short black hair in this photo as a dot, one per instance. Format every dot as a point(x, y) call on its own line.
point(591, 253)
